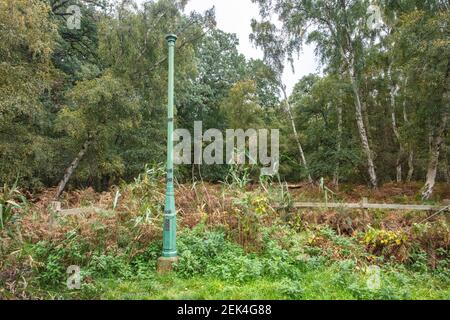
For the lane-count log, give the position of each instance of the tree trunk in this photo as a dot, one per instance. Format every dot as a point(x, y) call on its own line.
point(362, 129)
point(436, 146)
point(398, 168)
point(394, 88)
point(349, 57)
point(351, 64)
point(393, 93)
point(365, 114)
point(397, 136)
point(294, 129)
point(410, 166)
point(409, 147)
point(437, 141)
point(339, 147)
point(71, 168)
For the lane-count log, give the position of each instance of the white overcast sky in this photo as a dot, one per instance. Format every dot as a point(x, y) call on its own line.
point(234, 16)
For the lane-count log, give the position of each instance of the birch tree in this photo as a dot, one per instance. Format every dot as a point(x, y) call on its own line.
point(337, 27)
point(267, 36)
point(423, 47)
point(294, 130)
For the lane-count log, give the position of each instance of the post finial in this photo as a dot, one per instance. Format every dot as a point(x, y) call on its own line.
point(171, 38)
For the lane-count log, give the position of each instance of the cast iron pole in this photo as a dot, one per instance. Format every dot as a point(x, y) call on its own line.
point(169, 254)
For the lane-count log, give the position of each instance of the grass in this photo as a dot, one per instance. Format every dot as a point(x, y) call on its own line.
point(327, 283)
point(174, 288)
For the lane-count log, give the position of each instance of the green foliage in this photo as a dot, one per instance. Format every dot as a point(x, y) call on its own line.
point(380, 71)
point(106, 83)
point(101, 110)
point(9, 198)
point(327, 141)
point(147, 191)
point(103, 89)
point(377, 238)
point(54, 259)
point(209, 254)
point(210, 266)
point(282, 261)
point(27, 41)
point(240, 108)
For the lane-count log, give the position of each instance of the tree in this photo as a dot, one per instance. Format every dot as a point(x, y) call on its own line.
point(131, 50)
point(222, 73)
point(321, 105)
point(27, 41)
point(266, 36)
point(98, 112)
point(337, 27)
point(422, 46)
point(267, 87)
point(241, 108)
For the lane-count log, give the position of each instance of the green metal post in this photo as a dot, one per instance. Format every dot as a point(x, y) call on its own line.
point(170, 218)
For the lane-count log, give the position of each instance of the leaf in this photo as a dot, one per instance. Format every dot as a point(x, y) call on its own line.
point(13, 203)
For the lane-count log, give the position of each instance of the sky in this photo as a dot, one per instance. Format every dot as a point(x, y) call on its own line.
point(234, 16)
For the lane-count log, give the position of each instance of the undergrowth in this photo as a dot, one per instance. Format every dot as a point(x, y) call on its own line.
point(234, 242)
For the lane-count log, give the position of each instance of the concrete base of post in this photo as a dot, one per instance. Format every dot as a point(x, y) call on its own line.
point(165, 265)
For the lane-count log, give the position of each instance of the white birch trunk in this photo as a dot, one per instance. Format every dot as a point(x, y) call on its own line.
point(432, 170)
point(408, 145)
point(410, 166)
point(393, 94)
point(359, 114)
point(362, 129)
point(437, 141)
point(294, 129)
point(71, 168)
point(434, 158)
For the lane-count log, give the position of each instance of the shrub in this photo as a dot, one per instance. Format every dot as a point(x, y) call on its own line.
point(387, 243)
point(197, 249)
point(434, 239)
point(250, 211)
point(9, 198)
point(292, 289)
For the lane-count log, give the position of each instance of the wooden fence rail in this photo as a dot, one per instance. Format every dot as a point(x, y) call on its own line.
point(366, 205)
point(362, 205)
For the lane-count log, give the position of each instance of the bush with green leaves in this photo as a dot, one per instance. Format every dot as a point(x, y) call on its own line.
point(209, 253)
